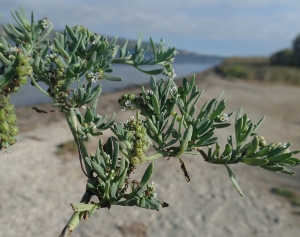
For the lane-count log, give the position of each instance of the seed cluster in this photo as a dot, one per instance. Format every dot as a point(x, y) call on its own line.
point(23, 69)
point(8, 119)
point(141, 140)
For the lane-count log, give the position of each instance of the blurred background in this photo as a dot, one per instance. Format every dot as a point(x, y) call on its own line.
point(249, 49)
point(204, 32)
point(215, 27)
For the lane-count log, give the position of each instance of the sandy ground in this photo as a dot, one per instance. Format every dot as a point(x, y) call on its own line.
point(37, 185)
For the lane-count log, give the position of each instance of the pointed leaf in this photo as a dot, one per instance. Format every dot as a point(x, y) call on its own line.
point(234, 181)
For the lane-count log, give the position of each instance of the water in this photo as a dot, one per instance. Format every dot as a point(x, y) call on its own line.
point(184, 65)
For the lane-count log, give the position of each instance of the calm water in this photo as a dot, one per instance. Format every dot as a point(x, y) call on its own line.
point(184, 65)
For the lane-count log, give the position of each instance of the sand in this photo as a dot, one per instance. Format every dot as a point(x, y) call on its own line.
point(37, 185)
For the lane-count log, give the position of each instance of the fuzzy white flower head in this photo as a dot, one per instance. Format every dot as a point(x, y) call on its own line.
point(131, 118)
point(97, 75)
point(152, 186)
point(173, 74)
point(13, 49)
point(7, 151)
point(174, 89)
point(45, 22)
point(93, 125)
point(149, 92)
point(123, 108)
point(94, 80)
point(226, 117)
point(128, 103)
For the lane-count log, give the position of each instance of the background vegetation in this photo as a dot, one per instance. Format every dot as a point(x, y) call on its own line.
point(281, 67)
point(259, 69)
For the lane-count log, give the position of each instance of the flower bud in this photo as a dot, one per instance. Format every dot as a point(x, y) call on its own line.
point(134, 160)
point(4, 137)
point(12, 141)
point(9, 108)
point(262, 141)
point(23, 80)
point(21, 71)
point(4, 127)
point(16, 89)
point(4, 99)
point(14, 130)
point(11, 119)
point(2, 114)
point(131, 96)
point(125, 96)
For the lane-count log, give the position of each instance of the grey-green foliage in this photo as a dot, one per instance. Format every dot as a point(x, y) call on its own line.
point(167, 118)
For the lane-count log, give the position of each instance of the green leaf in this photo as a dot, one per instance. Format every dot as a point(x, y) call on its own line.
point(247, 134)
point(239, 114)
point(185, 139)
point(112, 78)
point(80, 207)
point(234, 181)
point(113, 190)
point(288, 171)
point(220, 125)
point(238, 129)
point(115, 154)
point(279, 158)
point(151, 72)
point(92, 211)
point(155, 105)
point(147, 175)
point(88, 117)
point(259, 122)
point(296, 160)
point(227, 150)
point(139, 42)
point(255, 161)
point(272, 168)
point(253, 147)
point(153, 49)
point(219, 110)
point(98, 170)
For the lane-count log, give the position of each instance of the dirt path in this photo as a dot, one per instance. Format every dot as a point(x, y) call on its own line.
point(37, 186)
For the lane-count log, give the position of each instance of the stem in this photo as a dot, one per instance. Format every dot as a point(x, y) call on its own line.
point(37, 86)
point(72, 122)
point(159, 154)
point(75, 218)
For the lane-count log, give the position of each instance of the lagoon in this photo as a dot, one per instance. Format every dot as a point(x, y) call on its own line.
point(184, 65)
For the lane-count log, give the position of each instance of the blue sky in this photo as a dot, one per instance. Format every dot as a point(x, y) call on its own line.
point(214, 27)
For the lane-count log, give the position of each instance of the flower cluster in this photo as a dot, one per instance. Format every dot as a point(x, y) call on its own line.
point(94, 77)
point(44, 23)
point(126, 101)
